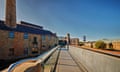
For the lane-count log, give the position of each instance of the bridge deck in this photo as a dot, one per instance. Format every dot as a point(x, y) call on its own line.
point(66, 63)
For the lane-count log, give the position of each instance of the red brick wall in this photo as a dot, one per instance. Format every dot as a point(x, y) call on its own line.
point(3, 44)
point(18, 43)
point(31, 37)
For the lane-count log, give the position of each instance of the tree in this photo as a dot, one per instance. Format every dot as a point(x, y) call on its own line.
point(81, 43)
point(100, 44)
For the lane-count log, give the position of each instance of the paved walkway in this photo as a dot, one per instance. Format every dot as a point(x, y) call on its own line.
point(66, 63)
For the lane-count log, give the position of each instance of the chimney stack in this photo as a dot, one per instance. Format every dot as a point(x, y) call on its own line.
point(10, 19)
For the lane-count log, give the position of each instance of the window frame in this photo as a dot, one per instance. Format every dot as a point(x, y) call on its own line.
point(49, 37)
point(26, 35)
point(11, 34)
point(43, 37)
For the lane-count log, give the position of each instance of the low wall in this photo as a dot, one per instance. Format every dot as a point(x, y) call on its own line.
point(95, 62)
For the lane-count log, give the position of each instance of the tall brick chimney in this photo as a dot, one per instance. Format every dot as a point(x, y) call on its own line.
point(10, 19)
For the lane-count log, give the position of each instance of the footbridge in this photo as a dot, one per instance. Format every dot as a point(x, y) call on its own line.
point(62, 59)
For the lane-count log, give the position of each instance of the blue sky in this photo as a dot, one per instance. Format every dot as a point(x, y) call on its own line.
point(97, 19)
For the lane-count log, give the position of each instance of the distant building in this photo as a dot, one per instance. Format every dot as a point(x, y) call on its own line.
point(115, 43)
point(90, 44)
point(74, 41)
point(62, 40)
point(67, 39)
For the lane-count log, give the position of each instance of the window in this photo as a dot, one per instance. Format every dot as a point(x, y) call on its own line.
point(11, 52)
point(49, 37)
point(35, 39)
point(35, 43)
point(25, 35)
point(26, 51)
point(43, 37)
point(11, 34)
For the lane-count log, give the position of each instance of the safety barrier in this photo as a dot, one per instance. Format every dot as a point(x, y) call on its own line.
point(43, 63)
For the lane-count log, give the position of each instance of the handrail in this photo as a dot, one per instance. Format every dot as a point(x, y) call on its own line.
point(37, 60)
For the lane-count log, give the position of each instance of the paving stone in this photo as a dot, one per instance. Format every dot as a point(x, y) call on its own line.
point(66, 63)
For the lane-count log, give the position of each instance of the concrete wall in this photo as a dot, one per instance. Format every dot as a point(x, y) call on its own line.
point(95, 62)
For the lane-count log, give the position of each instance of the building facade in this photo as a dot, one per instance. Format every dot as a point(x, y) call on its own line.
point(110, 44)
point(24, 40)
point(114, 44)
point(74, 41)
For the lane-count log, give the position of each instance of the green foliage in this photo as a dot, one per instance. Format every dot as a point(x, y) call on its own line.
point(81, 43)
point(100, 44)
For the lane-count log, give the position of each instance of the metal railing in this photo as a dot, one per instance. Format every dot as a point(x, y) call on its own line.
point(46, 61)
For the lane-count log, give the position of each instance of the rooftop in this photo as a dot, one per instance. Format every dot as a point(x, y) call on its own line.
point(26, 28)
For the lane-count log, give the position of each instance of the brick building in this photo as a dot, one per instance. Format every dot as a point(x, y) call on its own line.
point(74, 41)
point(24, 40)
point(115, 44)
